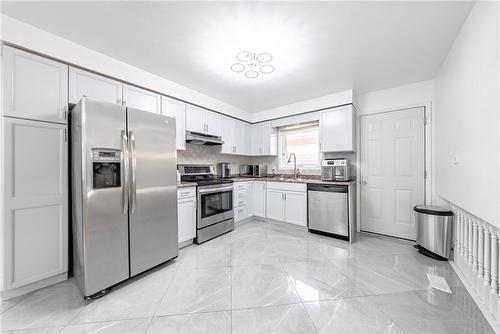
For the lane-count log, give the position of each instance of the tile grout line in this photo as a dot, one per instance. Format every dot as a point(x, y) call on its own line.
point(166, 290)
point(295, 290)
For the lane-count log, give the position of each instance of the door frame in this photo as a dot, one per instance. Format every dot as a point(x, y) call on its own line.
point(429, 185)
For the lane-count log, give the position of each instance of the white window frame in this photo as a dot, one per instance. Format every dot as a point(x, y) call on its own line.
point(282, 149)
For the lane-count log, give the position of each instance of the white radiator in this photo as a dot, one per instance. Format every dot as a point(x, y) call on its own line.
point(476, 259)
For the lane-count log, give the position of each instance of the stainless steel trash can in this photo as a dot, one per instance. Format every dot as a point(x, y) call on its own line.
point(434, 231)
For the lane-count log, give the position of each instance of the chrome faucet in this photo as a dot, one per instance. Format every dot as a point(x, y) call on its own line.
point(294, 164)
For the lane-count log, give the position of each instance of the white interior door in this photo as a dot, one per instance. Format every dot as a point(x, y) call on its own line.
point(392, 171)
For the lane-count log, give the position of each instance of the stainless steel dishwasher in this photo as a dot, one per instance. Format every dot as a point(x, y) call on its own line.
point(328, 210)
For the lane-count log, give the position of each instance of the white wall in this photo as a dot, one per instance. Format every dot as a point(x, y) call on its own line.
point(332, 100)
point(32, 38)
point(406, 96)
point(468, 117)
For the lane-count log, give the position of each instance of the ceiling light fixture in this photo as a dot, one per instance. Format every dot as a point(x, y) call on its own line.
point(253, 64)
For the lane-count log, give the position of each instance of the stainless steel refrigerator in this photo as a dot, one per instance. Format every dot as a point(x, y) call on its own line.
point(124, 193)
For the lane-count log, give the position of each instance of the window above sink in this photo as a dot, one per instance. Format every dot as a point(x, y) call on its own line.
point(303, 140)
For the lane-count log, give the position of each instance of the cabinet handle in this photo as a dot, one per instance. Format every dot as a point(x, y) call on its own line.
point(124, 102)
point(184, 194)
point(65, 136)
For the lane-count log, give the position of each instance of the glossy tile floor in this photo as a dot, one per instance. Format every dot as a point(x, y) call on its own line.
point(264, 278)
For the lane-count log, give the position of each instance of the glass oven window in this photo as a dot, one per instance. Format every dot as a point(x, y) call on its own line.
point(213, 204)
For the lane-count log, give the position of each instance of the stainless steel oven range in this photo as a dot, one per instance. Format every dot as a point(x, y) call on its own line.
point(214, 215)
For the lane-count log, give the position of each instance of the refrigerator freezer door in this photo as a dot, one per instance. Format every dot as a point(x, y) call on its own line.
point(100, 227)
point(153, 190)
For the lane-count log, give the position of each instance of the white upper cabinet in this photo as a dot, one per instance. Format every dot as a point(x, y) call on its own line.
point(177, 109)
point(93, 86)
point(256, 144)
point(203, 121)
point(240, 134)
point(214, 123)
point(142, 99)
point(228, 135)
point(263, 139)
point(34, 87)
point(195, 119)
point(338, 130)
point(236, 136)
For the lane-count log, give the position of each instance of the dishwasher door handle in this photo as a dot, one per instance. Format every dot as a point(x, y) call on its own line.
point(328, 188)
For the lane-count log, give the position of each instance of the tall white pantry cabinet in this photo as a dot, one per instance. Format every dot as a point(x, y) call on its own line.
point(34, 172)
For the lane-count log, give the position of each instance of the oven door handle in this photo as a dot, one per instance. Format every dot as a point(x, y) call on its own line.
point(214, 190)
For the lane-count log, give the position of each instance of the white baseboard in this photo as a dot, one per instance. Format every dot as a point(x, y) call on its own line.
point(185, 243)
point(8, 294)
point(487, 314)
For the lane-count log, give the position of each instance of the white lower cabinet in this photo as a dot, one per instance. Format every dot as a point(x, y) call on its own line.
point(275, 208)
point(259, 198)
point(35, 230)
point(242, 200)
point(287, 202)
point(186, 213)
point(296, 208)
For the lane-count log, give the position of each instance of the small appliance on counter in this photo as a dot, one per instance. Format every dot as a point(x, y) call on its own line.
point(253, 170)
point(335, 170)
point(224, 170)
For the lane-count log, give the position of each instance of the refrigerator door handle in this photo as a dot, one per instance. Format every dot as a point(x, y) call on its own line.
point(133, 188)
point(125, 172)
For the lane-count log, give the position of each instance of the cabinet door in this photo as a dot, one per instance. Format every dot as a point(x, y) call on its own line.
point(228, 135)
point(240, 136)
point(296, 208)
point(93, 86)
point(214, 123)
point(249, 198)
point(259, 198)
point(195, 119)
point(142, 99)
point(248, 139)
point(34, 87)
point(257, 139)
point(35, 234)
point(186, 212)
point(177, 109)
point(337, 130)
point(275, 205)
point(269, 137)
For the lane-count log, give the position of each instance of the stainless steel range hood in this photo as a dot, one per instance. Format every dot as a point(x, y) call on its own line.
point(202, 139)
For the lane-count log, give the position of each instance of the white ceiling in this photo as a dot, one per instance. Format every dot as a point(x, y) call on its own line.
point(319, 47)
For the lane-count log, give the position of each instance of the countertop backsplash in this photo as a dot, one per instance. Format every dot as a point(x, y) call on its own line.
point(211, 154)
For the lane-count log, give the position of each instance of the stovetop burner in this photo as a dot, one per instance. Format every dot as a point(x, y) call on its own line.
point(202, 174)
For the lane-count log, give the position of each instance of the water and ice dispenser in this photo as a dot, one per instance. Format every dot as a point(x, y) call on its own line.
point(106, 168)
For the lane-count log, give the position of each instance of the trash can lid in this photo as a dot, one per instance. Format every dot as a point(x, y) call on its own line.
point(433, 210)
